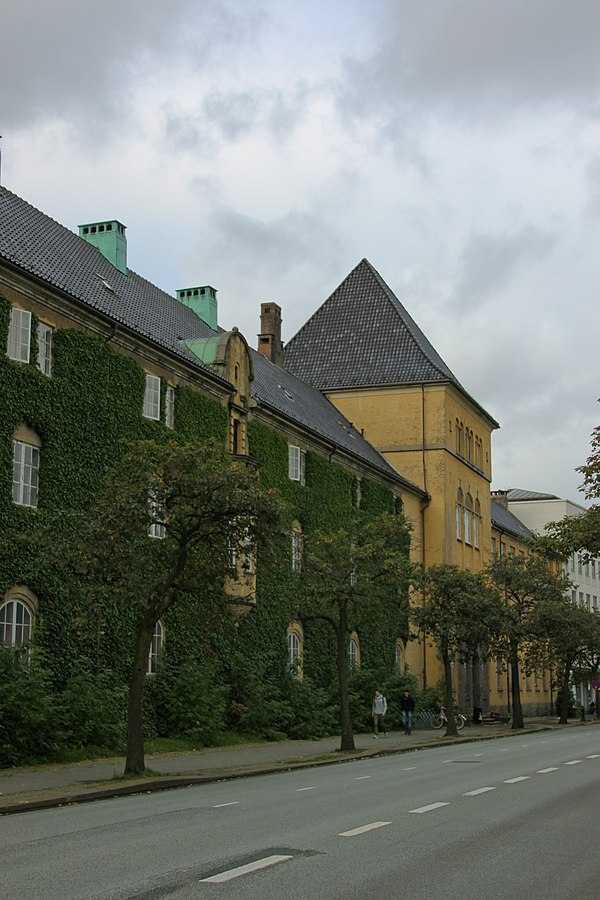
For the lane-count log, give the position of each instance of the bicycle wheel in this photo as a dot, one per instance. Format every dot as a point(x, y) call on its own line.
point(437, 721)
point(460, 721)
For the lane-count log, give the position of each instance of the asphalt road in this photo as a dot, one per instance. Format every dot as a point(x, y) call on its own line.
point(513, 817)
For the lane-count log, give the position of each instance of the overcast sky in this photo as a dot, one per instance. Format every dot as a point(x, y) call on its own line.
point(266, 146)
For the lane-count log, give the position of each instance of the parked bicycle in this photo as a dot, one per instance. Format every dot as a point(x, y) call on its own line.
point(442, 719)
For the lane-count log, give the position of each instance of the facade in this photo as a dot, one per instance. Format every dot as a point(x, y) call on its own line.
point(93, 353)
point(366, 353)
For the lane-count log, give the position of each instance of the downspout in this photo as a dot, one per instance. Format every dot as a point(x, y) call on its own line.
point(424, 465)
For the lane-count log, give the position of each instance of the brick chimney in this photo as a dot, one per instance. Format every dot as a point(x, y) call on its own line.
point(500, 497)
point(269, 339)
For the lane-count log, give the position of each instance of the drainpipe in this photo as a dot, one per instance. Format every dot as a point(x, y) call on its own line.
point(424, 464)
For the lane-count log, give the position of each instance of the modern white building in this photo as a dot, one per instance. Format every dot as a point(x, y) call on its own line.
point(536, 510)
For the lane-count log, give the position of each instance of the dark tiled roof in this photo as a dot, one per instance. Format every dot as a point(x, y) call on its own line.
point(362, 336)
point(506, 521)
point(46, 250)
point(516, 494)
point(309, 408)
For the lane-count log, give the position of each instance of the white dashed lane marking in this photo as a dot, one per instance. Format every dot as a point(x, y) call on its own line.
point(362, 777)
point(245, 870)
point(424, 809)
point(549, 769)
point(518, 778)
point(362, 828)
point(482, 790)
point(305, 789)
point(408, 768)
point(231, 803)
point(572, 762)
point(593, 756)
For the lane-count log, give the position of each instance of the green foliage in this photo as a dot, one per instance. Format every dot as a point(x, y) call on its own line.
point(189, 703)
point(92, 713)
point(29, 729)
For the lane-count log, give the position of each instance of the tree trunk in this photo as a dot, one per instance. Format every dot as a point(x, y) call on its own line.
point(564, 696)
point(134, 763)
point(347, 736)
point(515, 689)
point(451, 729)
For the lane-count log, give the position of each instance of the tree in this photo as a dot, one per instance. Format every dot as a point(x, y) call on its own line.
point(165, 527)
point(568, 631)
point(460, 612)
point(523, 582)
point(581, 533)
point(347, 579)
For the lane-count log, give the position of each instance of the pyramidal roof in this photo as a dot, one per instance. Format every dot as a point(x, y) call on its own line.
point(362, 336)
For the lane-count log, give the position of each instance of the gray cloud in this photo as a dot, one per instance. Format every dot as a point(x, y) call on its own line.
point(80, 59)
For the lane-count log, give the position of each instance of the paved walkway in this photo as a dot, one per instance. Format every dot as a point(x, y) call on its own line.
point(37, 787)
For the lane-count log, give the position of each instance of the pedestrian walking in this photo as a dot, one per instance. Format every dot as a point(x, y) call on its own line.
point(407, 705)
point(378, 711)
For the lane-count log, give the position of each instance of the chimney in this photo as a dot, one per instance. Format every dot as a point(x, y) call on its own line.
point(110, 240)
point(500, 497)
point(203, 301)
point(269, 339)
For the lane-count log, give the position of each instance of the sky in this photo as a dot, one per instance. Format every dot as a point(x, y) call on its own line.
point(265, 147)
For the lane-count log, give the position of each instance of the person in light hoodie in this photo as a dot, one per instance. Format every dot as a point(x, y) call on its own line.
point(378, 711)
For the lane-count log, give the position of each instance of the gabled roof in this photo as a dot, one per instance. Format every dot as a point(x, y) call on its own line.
point(507, 522)
point(361, 337)
point(35, 244)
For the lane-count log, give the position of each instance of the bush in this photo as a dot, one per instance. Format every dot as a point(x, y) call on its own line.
point(93, 713)
point(314, 712)
point(265, 712)
point(189, 703)
point(29, 725)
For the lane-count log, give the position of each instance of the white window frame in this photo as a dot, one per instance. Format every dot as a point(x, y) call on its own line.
point(467, 516)
point(44, 348)
point(152, 398)
point(26, 472)
point(156, 506)
point(353, 654)
point(296, 550)
point(476, 518)
point(296, 464)
point(16, 622)
point(156, 646)
point(294, 652)
point(170, 406)
point(18, 346)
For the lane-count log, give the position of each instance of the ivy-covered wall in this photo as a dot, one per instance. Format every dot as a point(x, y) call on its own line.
point(82, 413)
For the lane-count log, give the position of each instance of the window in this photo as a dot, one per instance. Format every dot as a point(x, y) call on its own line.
point(156, 506)
point(26, 467)
point(399, 657)
point(459, 437)
point(19, 335)
point(16, 621)
point(468, 513)
point(499, 670)
point(476, 518)
point(502, 549)
point(469, 443)
point(459, 503)
point(296, 547)
point(493, 548)
point(296, 459)
point(152, 398)
point(353, 653)
point(295, 645)
point(155, 648)
point(169, 407)
point(44, 350)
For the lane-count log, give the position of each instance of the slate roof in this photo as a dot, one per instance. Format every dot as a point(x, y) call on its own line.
point(362, 336)
point(505, 521)
point(516, 494)
point(49, 252)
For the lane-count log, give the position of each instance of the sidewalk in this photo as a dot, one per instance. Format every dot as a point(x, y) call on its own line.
point(39, 787)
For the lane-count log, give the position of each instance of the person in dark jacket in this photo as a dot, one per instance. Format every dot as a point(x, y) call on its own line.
point(407, 705)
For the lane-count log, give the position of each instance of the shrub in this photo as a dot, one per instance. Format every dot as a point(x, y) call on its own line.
point(93, 713)
point(29, 725)
point(189, 703)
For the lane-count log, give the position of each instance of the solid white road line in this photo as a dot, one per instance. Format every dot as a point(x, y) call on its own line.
point(244, 870)
point(424, 809)
point(362, 829)
point(518, 778)
point(305, 789)
point(478, 791)
point(220, 805)
point(573, 762)
point(549, 769)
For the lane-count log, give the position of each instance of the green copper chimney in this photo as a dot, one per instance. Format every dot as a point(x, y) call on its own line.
point(203, 301)
point(109, 238)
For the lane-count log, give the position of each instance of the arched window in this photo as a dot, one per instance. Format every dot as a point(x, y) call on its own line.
point(295, 645)
point(468, 514)
point(476, 520)
point(459, 504)
point(16, 617)
point(399, 660)
point(469, 443)
point(353, 653)
point(155, 648)
point(459, 437)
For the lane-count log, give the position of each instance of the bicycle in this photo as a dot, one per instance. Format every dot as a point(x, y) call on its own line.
point(442, 719)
